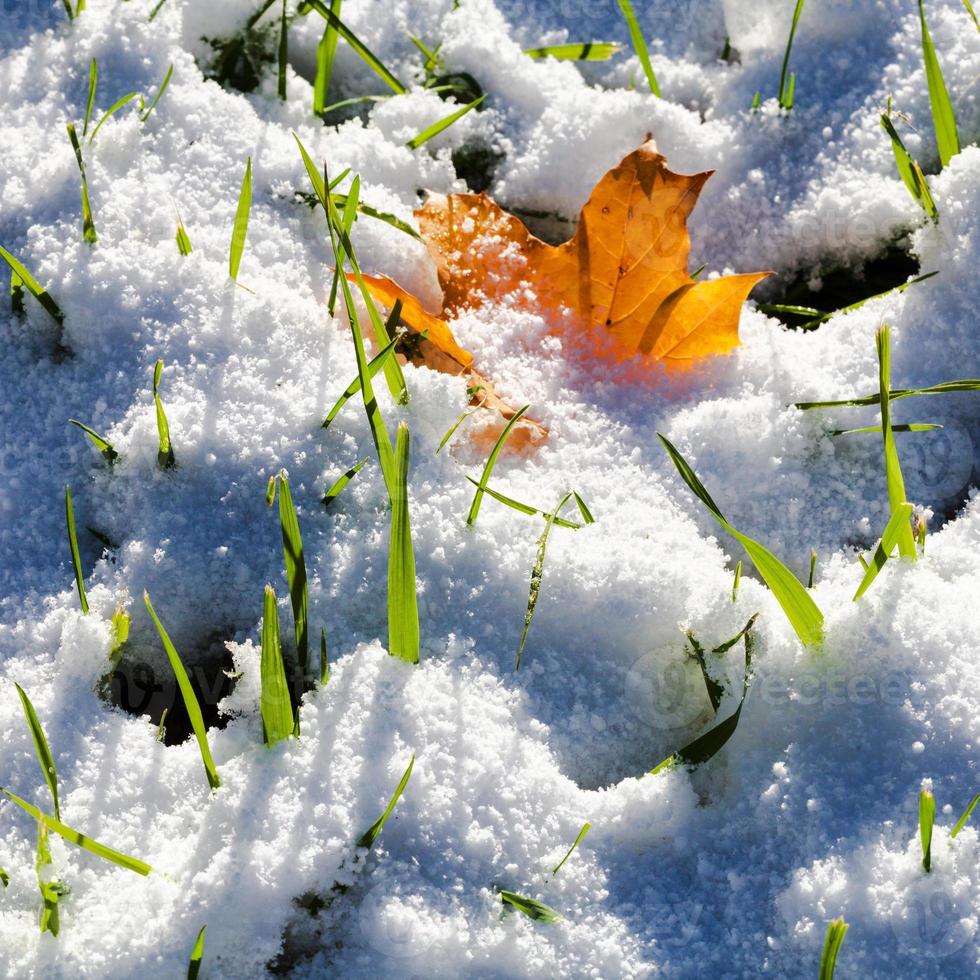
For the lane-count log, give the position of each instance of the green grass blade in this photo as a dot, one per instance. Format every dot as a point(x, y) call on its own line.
point(337, 487)
point(324, 659)
point(639, 44)
point(369, 836)
point(26, 280)
point(278, 720)
point(73, 544)
point(836, 932)
point(586, 827)
point(69, 9)
point(894, 394)
point(909, 171)
point(183, 239)
point(589, 51)
point(530, 907)
point(943, 120)
point(156, 10)
point(385, 216)
point(326, 52)
point(893, 533)
point(93, 81)
point(737, 581)
point(348, 217)
point(491, 463)
point(786, 94)
point(817, 321)
point(112, 110)
point(970, 11)
point(525, 508)
point(416, 141)
point(283, 53)
point(74, 837)
point(808, 311)
point(800, 609)
point(355, 100)
point(187, 693)
point(961, 823)
point(813, 566)
point(257, 16)
point(159, 95)
point(98, 441)
point(16, 294)
point(927, 819)
point(41, 747)
point(537, 574)
point(292, 549)
point(901, 427)
point(4, 878)
point(197, 955)
point(362, 49)
point(240, 228)
point(165, 451)
point(88, 223)
point(403, 607)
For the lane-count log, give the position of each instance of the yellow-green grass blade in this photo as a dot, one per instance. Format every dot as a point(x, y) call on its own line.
point(21, 279)
point(586, 827)
point(187, 693)
point(437, 127)
point(786, 89)
point(523, 508)
point(897, 525)
point(4, 878)
point(119, 630)
point(197, 955)
point(326, 52)
point(88, 222)
point(278, 720)
point(588, 51)
point(159, 95)
point(16, 294)
point(76, 559)
point(80, 840)
point(491, 463)
point(369, 836)
point(337, 487)
point(100, 443)
point(93, 81)
point(372, 212)
point(41, 747)
point(909, 171)
point(943, 119)
point(283, 53)
point(901, 427)
point(961, 823)
point(800, 609)
point(403, 607)
point(348, 217)
point(375, 366)
point(530, 907)
point(183, 239)
point(737, 580)
point(324, 658)
point(111, 111)
point(51, 891)
point(817, 321)
point(295, 561)
point(894, 394)
point(972, 13)
point(836, 931)
point(240, 228)
point(165, 451)
point(639, 44)
point(927, 819)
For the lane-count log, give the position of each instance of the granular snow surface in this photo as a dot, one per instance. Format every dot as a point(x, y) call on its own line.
point(734, 869)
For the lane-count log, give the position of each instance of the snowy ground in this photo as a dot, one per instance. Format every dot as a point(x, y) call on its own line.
point(809, 812)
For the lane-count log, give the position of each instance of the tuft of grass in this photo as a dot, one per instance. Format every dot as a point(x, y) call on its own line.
point(41, 747)
point(187, 693)
point(283, 54)
point(639, 44)
point(737, 580)
point(437, 127)
point(927, 818)
point(491, 463)
point(800, 609)
point(530, 907)
point(961, 823)
point(910, 171)
point(943, 119)
point(787, 86)
point(88, 222)
point(337, 487)
point(80, 840)
point(93, 81)
point(278, 720)
point(100, 443)
point(111, 111)
point(326, 52)
point(403, 606)
point(165, 451)
point(240, 228)
point(292, 550)
point(146, 110)
point(76, 559)
point(197, 955)
point(836, 931)
point(369, 836)
point(586, 827)
point(588, 51)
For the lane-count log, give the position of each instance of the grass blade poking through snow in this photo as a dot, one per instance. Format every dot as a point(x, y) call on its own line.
point(26, 281)
point(183, 239)
point(403, 606)
point(894, 394)
point(586, 827)
point(326, 51)
point(369, 836)
point(832, 943)
point(530, 907)
point(165, 452)
point(737, 580)
point(292, 550)
point(283, 53)
point(112, 110)
point(943, 119)
point(103, 446)
point(341, 482)
point(897, 525)
point(589, 51)
point(240, 229)
point(972, 13)
point(800, 609)
point(187, 693)
point(927, 818)
point(787, 86)
point(197, 955)
point(278, 720)
point(93, 81)
point(81, 840)
point(73, 544)
point(639, 44)
point(41, 747)
point(445, 123)
point(4, 878)
point(88, 223)
point(375, 366)
point(163, 88)
point(324, 659)
point(910, 171)
point(491, 463)
point(961, 823)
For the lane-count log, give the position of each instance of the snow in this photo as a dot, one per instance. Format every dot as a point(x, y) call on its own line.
point(735, 869)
